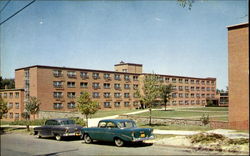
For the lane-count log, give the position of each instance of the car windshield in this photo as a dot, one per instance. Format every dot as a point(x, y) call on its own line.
point(126, 124)
point(67, 122)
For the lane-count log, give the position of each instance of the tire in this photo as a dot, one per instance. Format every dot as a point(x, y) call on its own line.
point(87, 139)
point(38, 135)
point(58, 137)
point(119, 142)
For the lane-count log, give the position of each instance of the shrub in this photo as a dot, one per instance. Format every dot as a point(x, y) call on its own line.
point(204, 119)
point(238, 141)
point(206, 138)
point(78, 121)
point(36, 122)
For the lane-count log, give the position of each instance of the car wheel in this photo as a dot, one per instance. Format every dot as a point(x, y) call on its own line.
point(38, 135)
point(87, 139)
point(119, 142)
point(58, 137)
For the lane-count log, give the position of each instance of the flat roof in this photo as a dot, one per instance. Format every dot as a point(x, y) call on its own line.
point(132, 64)
point(236, 26)
point(105, 71)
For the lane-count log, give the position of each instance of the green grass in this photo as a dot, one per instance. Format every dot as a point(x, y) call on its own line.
point(180, 114)
point(206, 108)
point(5, 122)
point(174, 127)
point(219, 118)
point(104, 113)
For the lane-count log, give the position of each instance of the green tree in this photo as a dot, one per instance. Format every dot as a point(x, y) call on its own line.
point(165, 94)
point(86, 106)
point(9, 83)
point(149, 92)
point(3, 107)
point(186, 3)
point(31, 108)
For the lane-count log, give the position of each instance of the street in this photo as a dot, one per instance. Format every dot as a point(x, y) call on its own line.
point(24, 144)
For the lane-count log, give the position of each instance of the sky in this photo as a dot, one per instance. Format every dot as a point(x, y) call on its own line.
point(163, 36)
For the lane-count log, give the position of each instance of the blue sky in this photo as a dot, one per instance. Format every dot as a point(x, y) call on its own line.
point(161, 35)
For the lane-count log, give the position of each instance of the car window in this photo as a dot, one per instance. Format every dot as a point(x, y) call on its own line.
point(49, 122)
point(68, 122)
point(111, 125)
point(102, 124)
point(126, 124)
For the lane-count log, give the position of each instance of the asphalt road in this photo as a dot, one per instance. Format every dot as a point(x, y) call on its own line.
point(25, 145)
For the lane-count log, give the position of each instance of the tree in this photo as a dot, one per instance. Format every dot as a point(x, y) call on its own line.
point(165, 94)
point(9, 83)
point(185, 3)
point(86, 106)
point(149, 92)
point(3, 107)
point(31, 108)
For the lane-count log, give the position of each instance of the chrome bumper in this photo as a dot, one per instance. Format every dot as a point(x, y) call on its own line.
point(72, 134)
point(142, 139)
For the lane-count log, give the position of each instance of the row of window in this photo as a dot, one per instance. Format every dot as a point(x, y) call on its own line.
point(192, 88)
point(94, 95)
point(59, 84)
point(187, 81)
point(192, 95)
point(10, 105)
point(95, 75)
point(10, 95)
point(187, 102)
point(11, 115)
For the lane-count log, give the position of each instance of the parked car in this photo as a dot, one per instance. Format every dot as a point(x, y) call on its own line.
point(58, 128)
point(117, 130)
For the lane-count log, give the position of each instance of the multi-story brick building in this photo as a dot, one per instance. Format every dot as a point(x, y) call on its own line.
point(238, 63)
point(58, 87)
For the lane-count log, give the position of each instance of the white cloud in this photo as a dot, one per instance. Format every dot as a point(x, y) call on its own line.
point(158, 19)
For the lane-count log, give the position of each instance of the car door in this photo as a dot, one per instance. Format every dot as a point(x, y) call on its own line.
point(109, 131)
point(46, 129)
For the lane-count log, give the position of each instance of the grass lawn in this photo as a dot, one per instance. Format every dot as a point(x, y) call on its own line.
point(206, 108)
point(179, 114)
point(174, 127)
point(104, 113)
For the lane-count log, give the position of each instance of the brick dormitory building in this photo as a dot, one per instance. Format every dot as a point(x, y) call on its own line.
point(58, 87)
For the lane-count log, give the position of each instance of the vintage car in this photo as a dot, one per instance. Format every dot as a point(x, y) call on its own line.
point(58, 128)
point(117, 130)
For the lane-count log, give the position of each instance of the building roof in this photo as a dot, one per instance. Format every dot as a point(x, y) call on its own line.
point(236, 26)
point(19, 89)
point(105, 71)
point(132, 64)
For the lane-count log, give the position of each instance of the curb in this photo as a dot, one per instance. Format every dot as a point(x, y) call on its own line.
point(203, 149)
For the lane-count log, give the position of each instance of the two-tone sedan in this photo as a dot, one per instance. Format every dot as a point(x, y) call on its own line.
point(58, 128)
point(118, 131)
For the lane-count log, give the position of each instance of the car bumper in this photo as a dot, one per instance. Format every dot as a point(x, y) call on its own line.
point(72, 134)
point(142, 139)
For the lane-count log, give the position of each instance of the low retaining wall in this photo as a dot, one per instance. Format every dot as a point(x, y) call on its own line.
point(170, 121)
point(54, 114)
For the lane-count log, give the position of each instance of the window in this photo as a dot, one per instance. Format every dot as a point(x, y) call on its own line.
point(173, 80)
point(212, 95)
point(203, 102)
point(71, 94)
point(212, 82)
point(136, 95)
point(186, 81)
point(16, 115)
point(11, 95)
point(203, 95)
point(197, 95)
point(192, 81)
point(208, 82)
point(126, 104)
point(160, 78)
point(192, 95)
point(186, 102)
point(117, 86)
point(107, 76)
point(197, 102)
point(84, 75)
point(57, 73)
point(5, 95)
point(186, 88)
point(96, 85)
point(117, 95)
point(84, 84)
point(126, 95)
point(117, 104)
point(180, 102)
point(203, 82)
point(106, 85)
point(71, 84)
point(197, 81)
point(213, 89)
point(58, 94)
point(167, 79)
point(192, 102)
point(180, 95)
point(71, 105)
point(135, 78)
point(197, 88)
point(57, 84)
point(107, 104)
point(117, 77)
point(180, 81)
point(135, 86)
point(71, 74)
point(11, 115)
point(106, 95)
point(95, 76)
point(58, 105)
point(17, 105)
point(186, 95)
point(180, 88)
point(126, 86)
point(208, 88)
point(174, 95)
point(192, 88)
point(26, 74)
point(126, 77)
point(135, 103)
point(95, 95)
point(173, 102)
point(208, 95)
point(10, 105)
point(174, 88)
point(125, 70)
point(203, 88)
